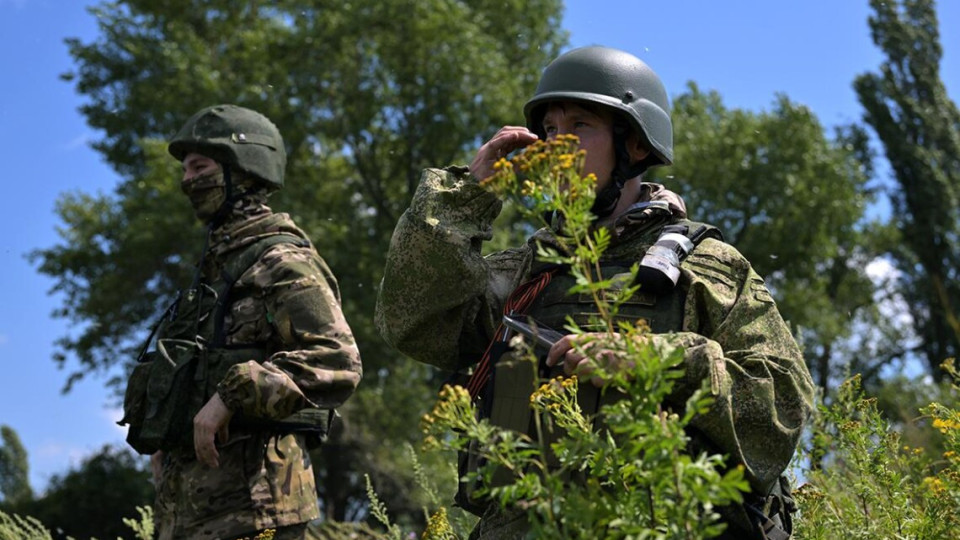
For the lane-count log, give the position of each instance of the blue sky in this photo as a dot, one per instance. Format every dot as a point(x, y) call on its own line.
point(747, 50)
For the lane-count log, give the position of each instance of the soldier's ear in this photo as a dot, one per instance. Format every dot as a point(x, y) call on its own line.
point(637, 148)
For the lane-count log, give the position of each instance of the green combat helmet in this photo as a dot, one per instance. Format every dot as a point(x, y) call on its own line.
point(622, 82)
point(237, 137)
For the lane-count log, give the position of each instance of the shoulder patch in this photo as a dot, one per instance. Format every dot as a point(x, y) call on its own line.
point(760, 292)
point(719, 254)
point(712, 270)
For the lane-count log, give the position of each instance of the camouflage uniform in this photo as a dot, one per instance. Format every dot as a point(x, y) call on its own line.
point(440, 303)
point(287, 300)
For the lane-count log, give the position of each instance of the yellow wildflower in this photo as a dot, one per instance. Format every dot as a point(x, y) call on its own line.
point(529, 188)
point(945, 425)
point(431, 443)
point(935, 485)
point(438, 526)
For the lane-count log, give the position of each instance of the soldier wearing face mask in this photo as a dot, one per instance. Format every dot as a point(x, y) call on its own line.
point(696, 291)
point(241, 375)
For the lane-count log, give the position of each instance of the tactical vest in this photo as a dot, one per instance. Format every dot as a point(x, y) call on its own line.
point(170, 384)
point(507, 399)
point(513, 382)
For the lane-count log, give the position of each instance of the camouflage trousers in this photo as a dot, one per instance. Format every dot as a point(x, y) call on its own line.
point(263, 482)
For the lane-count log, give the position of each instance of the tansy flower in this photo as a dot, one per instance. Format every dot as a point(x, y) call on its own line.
point(945, 425)
point(934, 485)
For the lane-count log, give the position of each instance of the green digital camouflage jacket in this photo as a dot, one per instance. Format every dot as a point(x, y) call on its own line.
point(289, 301)
point(440, 303)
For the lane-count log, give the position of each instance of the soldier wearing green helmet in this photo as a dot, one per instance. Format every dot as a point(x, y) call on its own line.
point(707, 300)
point(241, 375)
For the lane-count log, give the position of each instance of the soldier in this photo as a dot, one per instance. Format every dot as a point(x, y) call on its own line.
point(713, 304)
point(251, 360)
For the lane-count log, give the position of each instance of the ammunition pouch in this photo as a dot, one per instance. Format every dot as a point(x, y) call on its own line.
point(314, 424)
point(159, 396)
point(513, 382)
point(469, 461)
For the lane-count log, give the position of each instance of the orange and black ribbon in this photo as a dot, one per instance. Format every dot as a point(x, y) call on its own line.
point(517, 303)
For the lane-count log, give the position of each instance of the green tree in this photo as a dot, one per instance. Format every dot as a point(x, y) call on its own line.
point(792, 201)
point(93, 499)
point(365, 93)
point(907, 105)
point(14, 468)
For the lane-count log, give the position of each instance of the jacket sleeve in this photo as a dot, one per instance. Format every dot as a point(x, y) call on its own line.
point(438, 296)
point(316, 362)
point(735, 338)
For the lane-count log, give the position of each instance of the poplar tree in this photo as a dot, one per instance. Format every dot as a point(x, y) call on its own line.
point(14, 469)
point(918, 125)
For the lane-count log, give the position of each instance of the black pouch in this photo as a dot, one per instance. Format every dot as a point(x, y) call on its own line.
point(469, 461)
point(314, 424)
point(512, 384)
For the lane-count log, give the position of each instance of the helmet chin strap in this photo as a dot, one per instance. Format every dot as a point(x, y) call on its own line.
point(232, 194)
point(608, 197)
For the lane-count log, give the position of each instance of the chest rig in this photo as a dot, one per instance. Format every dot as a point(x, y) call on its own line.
point(170, 384)
point(660, 307)
point(505, 398)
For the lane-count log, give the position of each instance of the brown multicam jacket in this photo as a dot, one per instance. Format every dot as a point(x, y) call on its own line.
point(289, 301)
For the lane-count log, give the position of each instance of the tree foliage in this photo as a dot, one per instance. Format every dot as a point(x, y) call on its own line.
point(365, 94)
point(93, 499)
point(907, 105)
point(14, 468)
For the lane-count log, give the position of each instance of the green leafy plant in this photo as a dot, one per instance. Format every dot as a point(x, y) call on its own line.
point(870, 485)
point(14, 527)
point(441, 523)
point(142, 528)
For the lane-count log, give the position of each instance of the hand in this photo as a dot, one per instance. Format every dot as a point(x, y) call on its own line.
point(156, 465)
point(508, 139)
point(211, 422)
point(577, 363)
